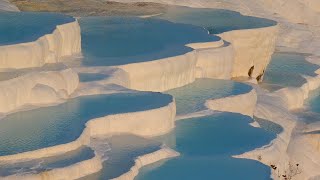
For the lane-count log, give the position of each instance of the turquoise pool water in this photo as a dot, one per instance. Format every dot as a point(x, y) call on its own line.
point(20, 27)
point(285, 70)
point(206, 145)
point(311, 113)
point(214, 20)
point(110, 41)
point(49, 126)
point(191, 98)
point(124, 150)
point(45, 164)
point(87, 77)
point(269, 125)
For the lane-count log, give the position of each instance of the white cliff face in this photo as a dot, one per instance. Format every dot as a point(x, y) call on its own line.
point(215, 63)
point(5, 5)
point(37, 88)
point(163, 74)
point(253, 48)
point(65, 40)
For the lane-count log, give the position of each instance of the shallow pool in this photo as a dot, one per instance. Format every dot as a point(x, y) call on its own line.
point(87, 77)
point(192, 97)
point(20, 27)
point(206, 145)
point(311, 113)
point(124, 150)
point(49, 126)
point(286, 70)
point(110, 41)
point(45, 164)
point(214, 20)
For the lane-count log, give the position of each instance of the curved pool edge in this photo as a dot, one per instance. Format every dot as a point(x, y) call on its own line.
point(133, 123)
point(65, 40)
point(147, 159)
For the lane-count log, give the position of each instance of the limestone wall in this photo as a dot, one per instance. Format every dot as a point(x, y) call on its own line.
point(37, 88)
point(215, 63)
point(244, 103)
point(293, 98)
point(163, 74)
point(253, 47)
point(65, 40)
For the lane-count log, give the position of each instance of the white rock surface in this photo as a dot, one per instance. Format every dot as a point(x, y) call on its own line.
point(65, 40)
point(244, 103)
point(146, 123)
point(37, 88)
point(253, 48)
point(5, 5)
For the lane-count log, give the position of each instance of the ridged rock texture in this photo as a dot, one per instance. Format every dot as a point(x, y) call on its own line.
point(65, 40)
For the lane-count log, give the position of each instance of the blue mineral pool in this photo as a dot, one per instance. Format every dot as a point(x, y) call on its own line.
point(87, 77)
point(45, 164)
point(206, 145)
point(192, 97)
point(110, 41)
point(214, 20)
point(49, 126)
point(124, 150)
point(311, 113)
point(286, 70)
point(20, 27)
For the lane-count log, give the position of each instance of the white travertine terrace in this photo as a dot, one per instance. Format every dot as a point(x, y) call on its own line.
point(163, 153)
point(253, 48)
point(244, 103)
point(220, 60)
point(215, 63)
point(146, 123)
point(248, 47)
point(293, 145)
point(65, 40)
point(37, 88)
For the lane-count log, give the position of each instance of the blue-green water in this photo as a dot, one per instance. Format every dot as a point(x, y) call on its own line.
point(19, 27)
point(124, 150)
point(206, 145)
point(192, 97)
point(87, 77)
point(49, 126)
point(44, 164)
point(311, 113)
point(285, 70)
point(269, 125)
point(121, 40)
point(214, 20)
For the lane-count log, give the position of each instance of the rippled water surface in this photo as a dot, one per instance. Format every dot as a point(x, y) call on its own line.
point(19, 27)
point(49, 126)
